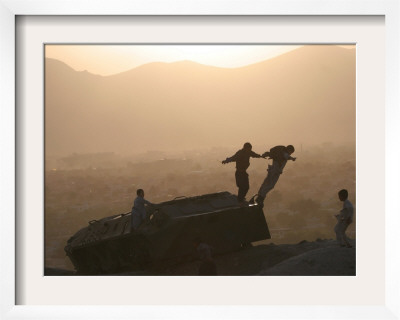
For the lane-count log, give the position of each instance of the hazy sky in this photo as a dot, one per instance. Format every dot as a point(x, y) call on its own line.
point(306, 96)
point(111, 59)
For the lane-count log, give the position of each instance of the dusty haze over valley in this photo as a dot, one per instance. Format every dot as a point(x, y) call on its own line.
point(165, 127)
point(306, 96)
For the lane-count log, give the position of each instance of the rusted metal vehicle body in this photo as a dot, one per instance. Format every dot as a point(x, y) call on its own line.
point(109, 246)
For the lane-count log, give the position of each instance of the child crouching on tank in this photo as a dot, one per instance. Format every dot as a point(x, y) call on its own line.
point(139, 214)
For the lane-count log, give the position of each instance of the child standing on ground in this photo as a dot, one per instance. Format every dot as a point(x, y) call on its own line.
point(208, 266)
point(344, 218)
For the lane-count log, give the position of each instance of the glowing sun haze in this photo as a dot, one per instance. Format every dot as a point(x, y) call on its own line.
point(112, 59)
point(305, 96)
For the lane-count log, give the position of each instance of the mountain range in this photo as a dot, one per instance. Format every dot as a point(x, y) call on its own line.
point(306, 96)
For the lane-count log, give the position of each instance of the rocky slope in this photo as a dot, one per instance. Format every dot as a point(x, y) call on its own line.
point(317, 258)
point(320, 257)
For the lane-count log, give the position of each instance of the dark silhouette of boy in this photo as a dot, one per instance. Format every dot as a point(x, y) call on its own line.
point(279, 155)
point(344, 219)
point(242, 159)
point(138, 214)
point(207, 266)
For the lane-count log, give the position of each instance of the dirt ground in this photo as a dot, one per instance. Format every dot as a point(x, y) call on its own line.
point(320, 257)
point(317, 258)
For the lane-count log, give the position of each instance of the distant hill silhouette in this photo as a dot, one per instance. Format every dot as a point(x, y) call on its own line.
point(305, 96)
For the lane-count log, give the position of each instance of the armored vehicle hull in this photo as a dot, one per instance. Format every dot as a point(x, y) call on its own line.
point(109, 245)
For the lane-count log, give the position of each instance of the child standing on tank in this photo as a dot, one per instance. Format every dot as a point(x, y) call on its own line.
point(138, 214)
point(242, 159)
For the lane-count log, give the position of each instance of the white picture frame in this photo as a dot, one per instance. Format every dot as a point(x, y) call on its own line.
point(9, 177)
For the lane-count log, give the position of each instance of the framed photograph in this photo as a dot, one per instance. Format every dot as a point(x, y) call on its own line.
point(33, 38)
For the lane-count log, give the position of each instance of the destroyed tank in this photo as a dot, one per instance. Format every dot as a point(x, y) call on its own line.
point(108, 246)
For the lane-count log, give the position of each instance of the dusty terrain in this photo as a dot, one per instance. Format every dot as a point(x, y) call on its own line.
point(320, 257)
point(317, 258)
